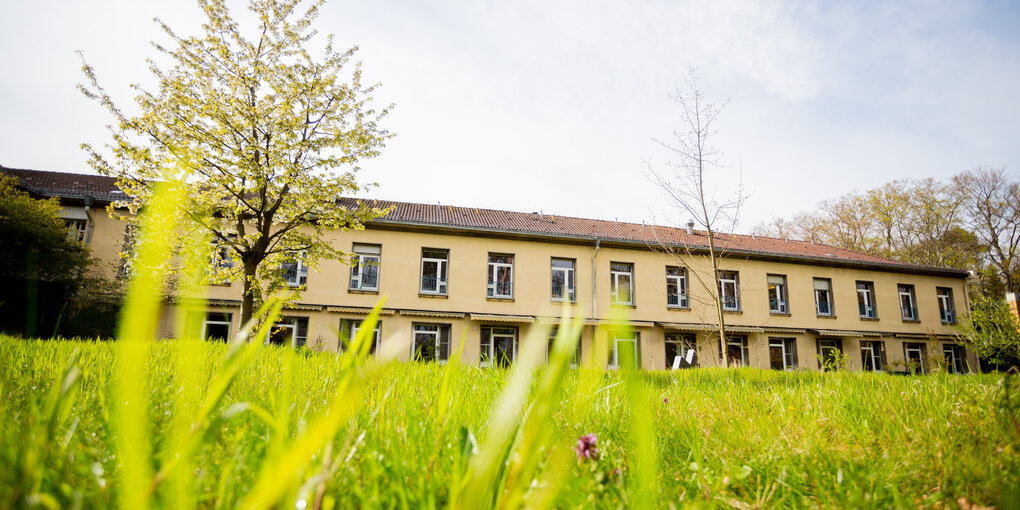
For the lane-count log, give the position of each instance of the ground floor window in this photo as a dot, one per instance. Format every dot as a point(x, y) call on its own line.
point(681, 351)
point(349, 331)
point(625, 350)
point(207, 325)
point(736, 351)
point(576, 361)
point(289, 331)
point(498, 346)
point(915, 354)
point(830, 352)
point(872, 355)
point(954, 358)
point(783, 353)
point(431, 343)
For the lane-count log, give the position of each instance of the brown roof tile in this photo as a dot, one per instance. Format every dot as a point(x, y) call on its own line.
point(67, 184)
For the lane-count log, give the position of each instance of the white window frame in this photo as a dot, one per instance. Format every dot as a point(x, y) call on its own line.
point(787, 355)
point(680, 281)
point(377, 337)
point(782, 302)
point(950, 352)
point(206, 322)
point(442, 268)
point(575, 361)
point(683, 347)
point(914, 347)
point(494, 267)
point(723, 295)
point(945, 304)
point(909, 294)
point(867, 296)
point(370, 255)
point(437, 338)
point(617, 338)
point(742, 342)
point(569, 276)
point(827, 292)
point(300, 272)
point(614, 275)
point(490, 349)
point(76, 229)
point(874, 355)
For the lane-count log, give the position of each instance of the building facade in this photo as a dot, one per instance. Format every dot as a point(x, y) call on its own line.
point(492, 278)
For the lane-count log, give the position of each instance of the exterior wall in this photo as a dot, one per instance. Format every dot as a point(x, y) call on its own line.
point(400, 270)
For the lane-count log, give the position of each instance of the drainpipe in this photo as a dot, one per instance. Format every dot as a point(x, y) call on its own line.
point(594, 280)
point(88, 214)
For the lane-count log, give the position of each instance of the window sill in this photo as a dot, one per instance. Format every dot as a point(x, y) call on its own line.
point(563, 302)
point(297, 287)
point(911, 321)
point(870, 319)
point(433, 296)
point(500, 299)
point(623, 305)
point(825, 316)
point(944, 323)
point(779, 314)
point(359, 291)
point(678, 308)
point(734, 312)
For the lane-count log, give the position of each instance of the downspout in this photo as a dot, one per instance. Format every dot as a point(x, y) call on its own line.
point(594, 280)
point(88, 214)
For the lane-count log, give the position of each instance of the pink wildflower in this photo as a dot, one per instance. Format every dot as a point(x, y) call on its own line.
point(585, 447)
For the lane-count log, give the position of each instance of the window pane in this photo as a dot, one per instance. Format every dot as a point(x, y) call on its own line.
point(367, 249)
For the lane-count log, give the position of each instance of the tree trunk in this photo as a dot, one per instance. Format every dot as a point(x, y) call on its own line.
point(249, 291)
point(718, 300)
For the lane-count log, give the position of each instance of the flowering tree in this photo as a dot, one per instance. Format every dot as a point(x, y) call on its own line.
point(265, 136)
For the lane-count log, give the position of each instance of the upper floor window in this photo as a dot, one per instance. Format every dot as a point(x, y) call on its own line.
point(947, 311)
point(908, 303)
point(431, 343)
point(434, 267)
point(872, 355)
point(777, 294)
point(365, 267)
point(622, 283)
point(681, 351)
point(866, 300)
point(729, 290)
point(563, 280)
point(501, 276)
point(676, 287)
point(295, 272)
point(221, 255)
point(823, 297)
point(76, 230)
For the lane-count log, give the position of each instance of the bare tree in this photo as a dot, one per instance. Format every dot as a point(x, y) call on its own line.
point(992, 207)
point(691, 180)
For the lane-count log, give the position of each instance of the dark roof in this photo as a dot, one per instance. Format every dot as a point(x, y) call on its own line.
point(542, 225)
point(63, 184)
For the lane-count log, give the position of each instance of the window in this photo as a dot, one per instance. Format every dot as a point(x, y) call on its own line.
point(220, 254)
point(498, 347)
point(829, 351)
point(680, 352)
point(823, 297)
point(501, 276)
point(207, 325)
point(729, 290)
point(289, 331)
point(431, 343)
point(777, 294)
point(872, 355)
point(434, 265)
point(676, 287)
point(866, 300)
point(622, 283)
point(349, 331)
point(947, 311)
point(295, 272)
point(625, 351)
point(127, 251)
point(783, 353)
point(365, 268)
point(563, 280)
point(954, 358)
point(574, 363)
point(76, 230)
point(908, 307)
point(736, 351)
point(915, 354)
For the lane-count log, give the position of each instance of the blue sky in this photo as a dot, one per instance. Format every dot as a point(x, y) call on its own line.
point(553, 106)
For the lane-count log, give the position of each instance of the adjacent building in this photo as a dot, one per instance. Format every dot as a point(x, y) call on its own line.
point(491, 276)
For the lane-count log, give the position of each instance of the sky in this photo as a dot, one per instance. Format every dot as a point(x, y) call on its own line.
point(555, 106)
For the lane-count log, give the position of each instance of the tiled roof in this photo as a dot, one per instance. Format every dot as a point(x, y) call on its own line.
point(470, 218)
point(652, 235)
point(67, 184)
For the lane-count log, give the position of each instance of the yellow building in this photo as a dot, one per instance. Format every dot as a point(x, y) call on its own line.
point(490, 276)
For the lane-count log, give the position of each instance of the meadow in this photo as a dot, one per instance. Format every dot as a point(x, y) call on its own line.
point(248, 425)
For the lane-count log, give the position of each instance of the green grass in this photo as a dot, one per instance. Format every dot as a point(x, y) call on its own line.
point(292, 426)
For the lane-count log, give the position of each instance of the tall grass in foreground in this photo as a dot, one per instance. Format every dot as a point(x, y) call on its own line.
point(180, 423)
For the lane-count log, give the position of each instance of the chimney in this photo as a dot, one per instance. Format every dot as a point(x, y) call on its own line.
point(690, 227)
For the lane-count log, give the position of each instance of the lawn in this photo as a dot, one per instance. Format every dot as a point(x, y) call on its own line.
point(259, 426)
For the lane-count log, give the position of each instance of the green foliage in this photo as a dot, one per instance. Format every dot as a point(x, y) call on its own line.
point(992, 331)
point(265, 135)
